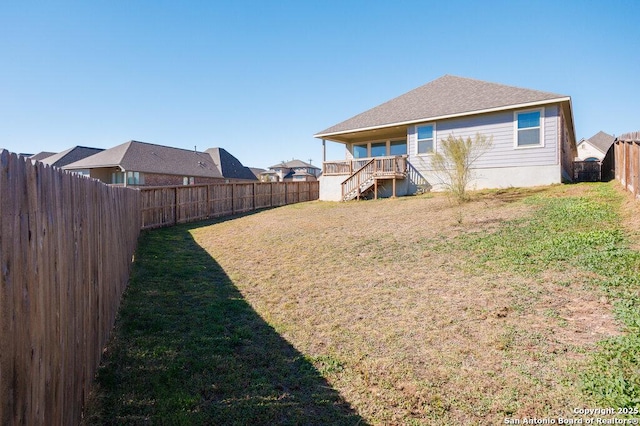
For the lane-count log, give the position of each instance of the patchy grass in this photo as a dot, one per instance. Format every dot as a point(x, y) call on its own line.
point(188, 349)
point(406, 311)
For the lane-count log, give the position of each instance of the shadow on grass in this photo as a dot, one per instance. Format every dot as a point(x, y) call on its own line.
point(188, 349)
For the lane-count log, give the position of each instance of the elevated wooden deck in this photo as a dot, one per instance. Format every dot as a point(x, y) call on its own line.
point(364, 173)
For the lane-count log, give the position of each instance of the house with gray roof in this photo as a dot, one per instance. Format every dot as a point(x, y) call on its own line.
point(137, 163)
point(595, 148)
point(41, 155)
point(388, 149)
point(67, 156)
point(291, 171)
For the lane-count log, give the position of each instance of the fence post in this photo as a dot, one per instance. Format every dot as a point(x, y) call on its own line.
point(175, 205)
point(233, 198)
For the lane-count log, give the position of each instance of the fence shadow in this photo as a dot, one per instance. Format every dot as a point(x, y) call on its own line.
point(188, 349)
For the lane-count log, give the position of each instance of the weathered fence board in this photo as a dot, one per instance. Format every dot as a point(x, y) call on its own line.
point(627, 162)
point(168, 206)
point(66, 245)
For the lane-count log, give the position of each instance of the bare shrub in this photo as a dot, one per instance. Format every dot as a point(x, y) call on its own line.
point(454, 160)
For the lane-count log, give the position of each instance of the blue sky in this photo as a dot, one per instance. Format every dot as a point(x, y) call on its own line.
point(259, 78)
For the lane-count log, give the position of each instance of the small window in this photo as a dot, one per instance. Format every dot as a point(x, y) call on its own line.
point(360, 151)
point(529, 128)
point(398, 148)
point(188, 180)
point(379, 149)
point(425, 139)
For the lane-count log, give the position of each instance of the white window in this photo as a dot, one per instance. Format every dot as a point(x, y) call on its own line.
point(529, 128)
point(425, 139)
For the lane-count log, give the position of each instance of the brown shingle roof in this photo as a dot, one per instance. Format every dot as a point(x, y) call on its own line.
point(150, 158)
point(447, 96)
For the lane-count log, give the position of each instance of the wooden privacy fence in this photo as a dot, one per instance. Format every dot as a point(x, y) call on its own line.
point(66, 245)
point(627, 161)
point(167, 206)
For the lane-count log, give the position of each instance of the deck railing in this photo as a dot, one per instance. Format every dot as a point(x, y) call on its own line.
point(367, 169)
point(384, 165)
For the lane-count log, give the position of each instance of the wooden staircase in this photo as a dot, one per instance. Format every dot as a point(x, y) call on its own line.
point(373, 170)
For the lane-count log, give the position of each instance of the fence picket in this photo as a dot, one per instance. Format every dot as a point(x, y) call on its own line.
point(66, 246)
point(198, 202)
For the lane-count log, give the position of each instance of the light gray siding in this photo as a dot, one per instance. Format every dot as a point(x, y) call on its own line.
point(501, 127)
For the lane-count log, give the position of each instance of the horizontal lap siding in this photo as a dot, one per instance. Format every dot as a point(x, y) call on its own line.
point(501, 127)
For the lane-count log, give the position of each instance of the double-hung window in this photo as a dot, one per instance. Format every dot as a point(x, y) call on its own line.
point(529, 128)
point(425, 139)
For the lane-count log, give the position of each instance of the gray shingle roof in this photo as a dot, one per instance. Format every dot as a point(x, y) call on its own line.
point(229, 165)
point(602, 141)
point(294, 164)
point(150, 158)
point(447, 96)
point(41, 155)
point(70, 155)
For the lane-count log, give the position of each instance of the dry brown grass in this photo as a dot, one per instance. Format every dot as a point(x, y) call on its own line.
point(406, 333)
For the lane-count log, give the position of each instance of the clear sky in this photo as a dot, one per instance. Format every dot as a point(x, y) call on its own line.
point(259, 78)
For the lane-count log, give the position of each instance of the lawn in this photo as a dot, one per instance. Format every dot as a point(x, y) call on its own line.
point(406, 311)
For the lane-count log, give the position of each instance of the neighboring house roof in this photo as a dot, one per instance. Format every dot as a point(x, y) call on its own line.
point(257, 171)
point(230, 166)
point(150, 158)
point(41, 155)
point(302, 173)
point(70, 155)
point(446, 97)
point(293, 164)
point(601, 141)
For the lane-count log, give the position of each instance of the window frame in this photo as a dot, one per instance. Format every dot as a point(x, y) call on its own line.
point(398, 142)
point(369, 147)
point(516, 130)
point(433, 138)
point(365, 145)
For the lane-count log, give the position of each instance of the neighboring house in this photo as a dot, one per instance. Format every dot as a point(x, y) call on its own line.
point(389, 148)
point(41, 155)
point(257, 171)
point(595, 148)
point(68, 156)
point(291, 171)
point(136, 163)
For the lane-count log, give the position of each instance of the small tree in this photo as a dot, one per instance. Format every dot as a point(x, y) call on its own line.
point(454, 160)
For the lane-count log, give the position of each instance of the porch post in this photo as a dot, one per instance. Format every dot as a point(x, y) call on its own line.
point(324, 150)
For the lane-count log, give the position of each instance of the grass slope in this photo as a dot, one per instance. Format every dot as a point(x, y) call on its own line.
point(407, 311)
